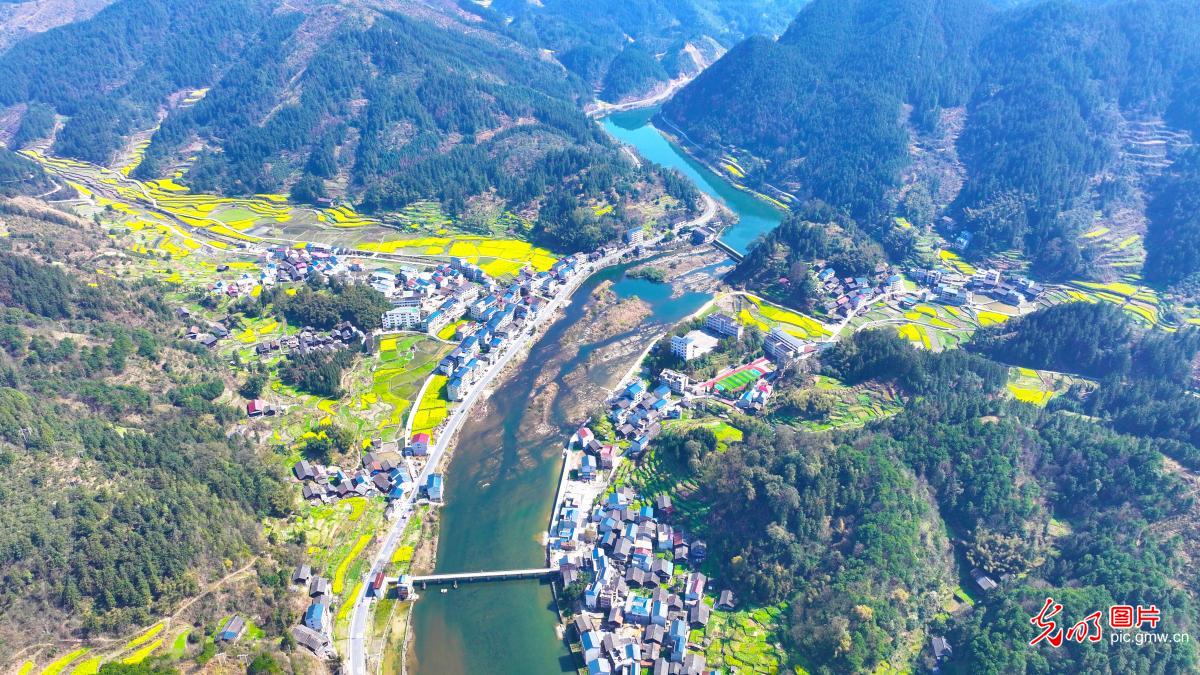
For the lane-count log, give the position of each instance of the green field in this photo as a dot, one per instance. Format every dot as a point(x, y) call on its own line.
point(737, 381)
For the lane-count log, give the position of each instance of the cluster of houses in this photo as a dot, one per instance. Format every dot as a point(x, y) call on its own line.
point(640, 603)
point(850, 294)
point(754, 398)
point(495, 319)
point(431, 299)
point(939, 646)
point(953, 288)
point(314, 630)
point(382, 474)
point(428, 299)
point(280, 264)
point(284, 263)
point(208, 336)
point(637, 414)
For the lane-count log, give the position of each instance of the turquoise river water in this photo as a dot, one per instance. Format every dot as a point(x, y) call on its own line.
point(505, 466)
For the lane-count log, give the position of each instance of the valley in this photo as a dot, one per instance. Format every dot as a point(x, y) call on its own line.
point(758, 337)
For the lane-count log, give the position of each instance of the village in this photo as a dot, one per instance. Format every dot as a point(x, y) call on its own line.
point(645, 601)
point(645, 593)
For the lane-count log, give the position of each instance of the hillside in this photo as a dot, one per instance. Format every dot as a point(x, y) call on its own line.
point(1052, 95)
point(878, 483)
point(123, 493)
point(634, 46)
point(21, 18)
point(325, 101)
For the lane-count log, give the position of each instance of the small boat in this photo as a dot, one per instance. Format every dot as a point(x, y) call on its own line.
point(445, 590)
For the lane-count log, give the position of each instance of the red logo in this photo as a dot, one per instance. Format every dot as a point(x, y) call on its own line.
point(1044, 620)
point(1089, 629)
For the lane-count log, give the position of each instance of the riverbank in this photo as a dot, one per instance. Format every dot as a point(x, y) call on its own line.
point(754, 216)
point(698, 155)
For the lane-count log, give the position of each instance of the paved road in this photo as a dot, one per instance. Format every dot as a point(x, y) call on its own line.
point(360, 617)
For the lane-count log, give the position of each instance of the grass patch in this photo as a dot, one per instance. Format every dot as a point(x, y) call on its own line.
point(179, 645)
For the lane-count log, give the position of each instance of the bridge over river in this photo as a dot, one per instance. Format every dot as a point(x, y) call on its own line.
point(496, 575)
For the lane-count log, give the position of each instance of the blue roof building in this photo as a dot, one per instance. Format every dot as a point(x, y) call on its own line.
point(315, 617)
point(434, 486)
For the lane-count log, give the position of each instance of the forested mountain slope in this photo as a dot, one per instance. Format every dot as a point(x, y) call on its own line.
point(625, 48)
point(381, 104)
point(123, 491)
point(21, 18)
point(828, 111)
point(861, 531)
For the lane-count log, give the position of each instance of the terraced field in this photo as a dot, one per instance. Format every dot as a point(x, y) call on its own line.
point(402, 367)
point(434, 407)
point(159, 208)
point(745, 641)
point(853, 407)
point(139, 648)
point(497, 257)
point(1037, 387)
point(932, 326)
point(756, 311)
point(1141, 302)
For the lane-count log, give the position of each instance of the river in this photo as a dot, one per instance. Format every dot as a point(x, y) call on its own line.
point(755, 216)
point(505, 465)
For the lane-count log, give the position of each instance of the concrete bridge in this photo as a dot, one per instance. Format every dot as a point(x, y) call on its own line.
point(727, 250)
point(496, 575)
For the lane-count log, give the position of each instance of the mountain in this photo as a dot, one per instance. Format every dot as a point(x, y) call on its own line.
point(380, 104)
point(1048, 98)
point(21, 18)
point(123, 491)
point(634, 46)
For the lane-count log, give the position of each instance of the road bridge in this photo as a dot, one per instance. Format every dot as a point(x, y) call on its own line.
point(728, 250)
point(495, 575)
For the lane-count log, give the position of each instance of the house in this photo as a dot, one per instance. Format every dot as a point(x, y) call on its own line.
point(693, 664)
point(406, 315)
point(318, 586)
point(316, 617)
point(694, 588)
point(662, 505)
point(599, 666)
point(698, 614)
point(257, 408)
point(676, 381)
point(303, 470)
point(314, 641)
point(419, 444)
point(723, 325)
point(591, 641)
point(941, 649)
point(693, 345)
point(608, 455)
point(232, 630)
point(404, 587)
point(725, 601)
point(984, 582)
point(302, 574)
point(587, 467)
point(433, 487)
